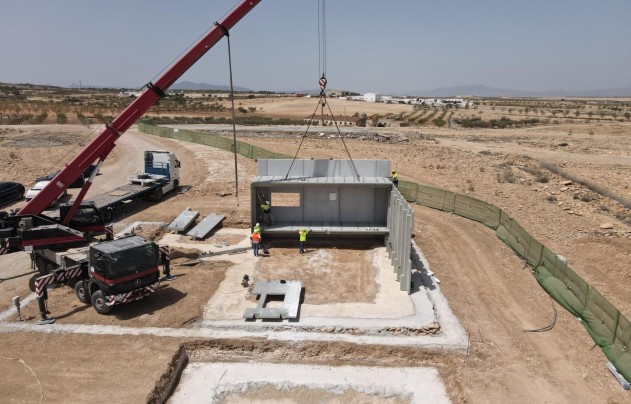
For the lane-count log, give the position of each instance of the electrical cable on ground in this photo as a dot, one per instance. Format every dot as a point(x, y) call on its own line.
point(41, 390)
point(549, 326)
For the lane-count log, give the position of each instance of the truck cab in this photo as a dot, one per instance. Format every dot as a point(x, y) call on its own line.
point(162, 162)
point(87, 218)
point(119, 271)
point(124, 264)
point(160, 166)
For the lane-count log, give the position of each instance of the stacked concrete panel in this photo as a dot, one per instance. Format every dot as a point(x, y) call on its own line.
point(400, 223)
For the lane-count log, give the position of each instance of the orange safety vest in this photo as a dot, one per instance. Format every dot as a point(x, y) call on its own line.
point(256, 238)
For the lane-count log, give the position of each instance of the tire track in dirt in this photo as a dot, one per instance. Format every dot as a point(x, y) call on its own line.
point(495, 298)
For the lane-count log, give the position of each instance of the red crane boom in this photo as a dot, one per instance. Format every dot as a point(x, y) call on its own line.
point(103, 144)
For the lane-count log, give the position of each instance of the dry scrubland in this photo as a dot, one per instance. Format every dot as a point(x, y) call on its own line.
point(566, 179)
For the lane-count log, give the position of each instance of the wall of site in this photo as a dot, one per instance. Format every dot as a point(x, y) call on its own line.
point(400, 223)
point(602, 320)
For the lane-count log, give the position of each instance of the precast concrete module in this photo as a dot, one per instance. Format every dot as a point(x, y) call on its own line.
point(328, 197)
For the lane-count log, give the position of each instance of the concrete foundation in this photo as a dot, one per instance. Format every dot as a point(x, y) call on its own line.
point(211, 382)
point(391, 307)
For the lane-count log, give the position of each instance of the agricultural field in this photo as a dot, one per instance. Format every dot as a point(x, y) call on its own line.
point(561, 167)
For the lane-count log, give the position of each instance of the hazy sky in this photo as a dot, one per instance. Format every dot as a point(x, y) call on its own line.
point(373, 45)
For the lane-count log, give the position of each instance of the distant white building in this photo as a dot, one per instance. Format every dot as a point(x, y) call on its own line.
point(130, 93)
point(372, 97)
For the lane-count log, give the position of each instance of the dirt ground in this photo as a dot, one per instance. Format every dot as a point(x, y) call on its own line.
point(488, 288)
point(177, 303)
point(69, 368)
point(299, 108)
point(343, 273)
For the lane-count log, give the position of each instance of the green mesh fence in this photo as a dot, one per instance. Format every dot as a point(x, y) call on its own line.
point(209, 139)
point(604, 323)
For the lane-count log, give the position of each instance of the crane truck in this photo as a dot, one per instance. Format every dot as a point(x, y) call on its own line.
point(104, 273)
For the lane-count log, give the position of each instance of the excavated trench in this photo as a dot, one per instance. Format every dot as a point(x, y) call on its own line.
point(238, 370)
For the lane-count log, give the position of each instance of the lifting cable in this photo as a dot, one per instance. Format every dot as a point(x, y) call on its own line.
point(322, 100)
point(234, 124)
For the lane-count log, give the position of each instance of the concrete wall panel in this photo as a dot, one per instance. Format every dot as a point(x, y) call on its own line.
point(319, 205)
point(324, 168)
point(357, 204)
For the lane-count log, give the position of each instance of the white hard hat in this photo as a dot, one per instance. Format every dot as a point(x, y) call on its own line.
point(257, 225)
point(267, 202)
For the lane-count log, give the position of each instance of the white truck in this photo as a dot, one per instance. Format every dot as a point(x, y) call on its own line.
point(161, 175)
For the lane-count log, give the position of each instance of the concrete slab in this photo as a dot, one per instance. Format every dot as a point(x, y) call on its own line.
point(391, 307)
point(205, 226)
point(327, 228)
point(211, 382)
point(183, 220)
point(290, 290)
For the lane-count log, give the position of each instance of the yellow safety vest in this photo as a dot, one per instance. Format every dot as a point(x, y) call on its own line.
point(265, 208)
point(303, 235)
point(257, 229)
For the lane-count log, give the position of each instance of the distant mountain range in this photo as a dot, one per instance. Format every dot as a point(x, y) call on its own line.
point(189, 85)
point(484, 91)
point(455, 91)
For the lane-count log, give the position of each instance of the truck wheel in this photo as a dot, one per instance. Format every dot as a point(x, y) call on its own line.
point(81, 292)
point(108, 215)
point(158, 194)
point(176, 184)
point(98, 302)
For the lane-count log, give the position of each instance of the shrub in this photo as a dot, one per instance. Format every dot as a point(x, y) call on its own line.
point(440, 122)
point(543, 178)
point(470, 186)
point(503, 122)
point(506, 175)
point(62, 118)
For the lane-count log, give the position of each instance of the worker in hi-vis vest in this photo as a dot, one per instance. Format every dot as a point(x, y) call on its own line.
point(257, 229)
point(303, 239)
point(267, 212)
point(395, 178)
point(256, 243)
